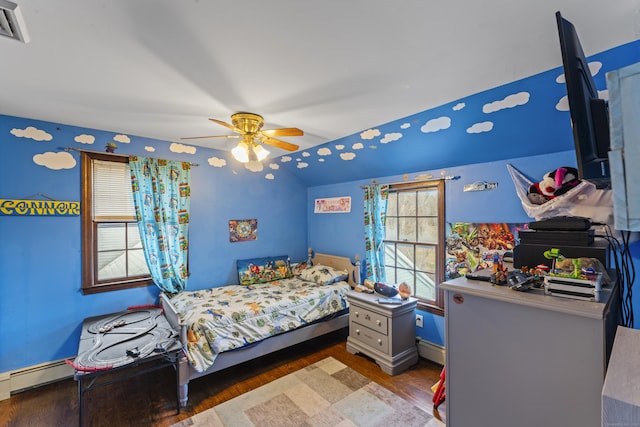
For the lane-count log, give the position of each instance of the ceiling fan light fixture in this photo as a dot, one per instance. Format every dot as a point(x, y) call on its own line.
point(261, 152)
point(241, 152)
point(245, 152)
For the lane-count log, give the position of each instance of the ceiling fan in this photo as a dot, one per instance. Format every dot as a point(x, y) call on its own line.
point(248, 126)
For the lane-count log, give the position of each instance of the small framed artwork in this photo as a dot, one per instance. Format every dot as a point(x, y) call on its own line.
point(333, 205)
point(242, 230)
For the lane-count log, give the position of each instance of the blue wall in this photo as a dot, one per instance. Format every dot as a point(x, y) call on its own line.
point(41, 305)
point(344, 233)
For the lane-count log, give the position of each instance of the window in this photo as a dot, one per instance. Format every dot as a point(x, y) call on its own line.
point(414, 240)
point(112, 254)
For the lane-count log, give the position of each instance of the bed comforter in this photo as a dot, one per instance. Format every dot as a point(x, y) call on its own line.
point(230, 317)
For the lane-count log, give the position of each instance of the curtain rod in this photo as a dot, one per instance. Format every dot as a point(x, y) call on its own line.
point(446, 178)
point(100, 152)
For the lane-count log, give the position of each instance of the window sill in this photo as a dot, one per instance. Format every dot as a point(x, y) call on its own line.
point(423, 306)
point(108, 287)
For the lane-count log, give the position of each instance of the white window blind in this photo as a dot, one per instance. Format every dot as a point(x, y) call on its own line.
point(112, 198)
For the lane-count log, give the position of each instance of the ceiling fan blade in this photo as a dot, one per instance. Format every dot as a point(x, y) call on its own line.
point(212, 136)
point(283, 132)
point(227, 125)
point(279, 143)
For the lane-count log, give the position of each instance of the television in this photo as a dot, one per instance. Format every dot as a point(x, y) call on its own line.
point(589, 114)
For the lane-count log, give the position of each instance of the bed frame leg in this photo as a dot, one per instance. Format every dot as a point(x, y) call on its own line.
point(183, 381)
point(183, 392)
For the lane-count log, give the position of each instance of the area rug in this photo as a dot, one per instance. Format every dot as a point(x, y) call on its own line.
point(327, 393)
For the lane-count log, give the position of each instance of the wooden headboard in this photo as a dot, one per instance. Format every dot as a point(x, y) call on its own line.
point(339, 263)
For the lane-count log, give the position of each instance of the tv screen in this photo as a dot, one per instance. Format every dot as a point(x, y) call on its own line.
point(589, 114)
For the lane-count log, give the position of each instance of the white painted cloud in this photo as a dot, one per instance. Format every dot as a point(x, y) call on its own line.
point(149, 148)
point(122, 138)
point(305, 154)
point(32, 133)
point(182, 148)
point(339, 147)
point(324, 151)
point(217, 162)
point(563, 104)
point(254, 166)
point(285, 159)
point(435, 125)
point(459, 106)
point(370, 134)
point(357, 146)
point(390, 137)
point(405, 126)
point(85, 139)
point(594, 68)
point(321, 160)
point(510, 101)
point(302, 165)
point(56, 161)
point(480, 127)
point(274, 166)
point(347, 156)
point(269, 176)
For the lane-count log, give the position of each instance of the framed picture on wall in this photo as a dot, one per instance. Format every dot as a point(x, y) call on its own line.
point(333, 205)
point(242, 230)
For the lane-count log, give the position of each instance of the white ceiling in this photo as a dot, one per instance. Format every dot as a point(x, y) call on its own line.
point(159, 69)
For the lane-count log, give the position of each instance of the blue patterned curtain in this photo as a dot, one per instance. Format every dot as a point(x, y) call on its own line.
point(375, 210)
point(162, 195)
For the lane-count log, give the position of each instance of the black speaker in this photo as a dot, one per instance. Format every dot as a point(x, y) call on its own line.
point(530, 255)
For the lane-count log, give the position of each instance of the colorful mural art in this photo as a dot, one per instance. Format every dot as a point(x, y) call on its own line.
point(472, 247)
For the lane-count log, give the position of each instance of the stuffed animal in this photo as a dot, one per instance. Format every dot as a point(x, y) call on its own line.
point(553, 184)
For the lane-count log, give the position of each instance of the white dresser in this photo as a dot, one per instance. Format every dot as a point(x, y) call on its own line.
point(384, 332)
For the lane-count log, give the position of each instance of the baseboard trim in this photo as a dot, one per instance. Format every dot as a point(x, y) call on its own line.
point(431, 351)
point(33, 376)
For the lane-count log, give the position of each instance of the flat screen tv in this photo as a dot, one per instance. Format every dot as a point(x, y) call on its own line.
point(589, 114)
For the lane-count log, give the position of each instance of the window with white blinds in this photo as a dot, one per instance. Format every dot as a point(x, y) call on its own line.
point(112, 199)
point(112, 251)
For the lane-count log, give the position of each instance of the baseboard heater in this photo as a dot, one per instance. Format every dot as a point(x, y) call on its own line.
point(431, 351)
point(33, 376)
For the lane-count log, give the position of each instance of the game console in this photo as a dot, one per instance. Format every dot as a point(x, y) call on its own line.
point(531, 255)
point(587, 289)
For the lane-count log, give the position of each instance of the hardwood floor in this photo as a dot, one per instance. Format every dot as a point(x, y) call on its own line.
point(150, 399)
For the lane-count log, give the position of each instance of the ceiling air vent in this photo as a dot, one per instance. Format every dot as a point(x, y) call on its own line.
point(11, 22)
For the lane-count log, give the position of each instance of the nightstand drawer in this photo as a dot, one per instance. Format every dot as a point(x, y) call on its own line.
point(368, 318)
point(369, 337)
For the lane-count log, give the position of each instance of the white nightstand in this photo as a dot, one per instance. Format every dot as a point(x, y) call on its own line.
point(384, 332)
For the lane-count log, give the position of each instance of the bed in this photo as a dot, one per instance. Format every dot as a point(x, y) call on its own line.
point(274, 306)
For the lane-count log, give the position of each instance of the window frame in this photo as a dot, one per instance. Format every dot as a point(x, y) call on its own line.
point(89, 232)
point(437, 306)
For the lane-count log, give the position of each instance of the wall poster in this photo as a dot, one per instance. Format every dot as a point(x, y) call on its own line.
point(333, 205)
point(471, 246)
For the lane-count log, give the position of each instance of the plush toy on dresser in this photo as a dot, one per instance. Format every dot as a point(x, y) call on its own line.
point(553, 184)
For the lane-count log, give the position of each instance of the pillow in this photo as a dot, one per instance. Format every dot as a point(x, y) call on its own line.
point(297, 267)
point(323, 274)
point(262, 270)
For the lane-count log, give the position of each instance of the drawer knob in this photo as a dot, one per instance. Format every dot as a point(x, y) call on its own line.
point(357, 331)
point(378, 322)
point(357, 314)
point(379, 341)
